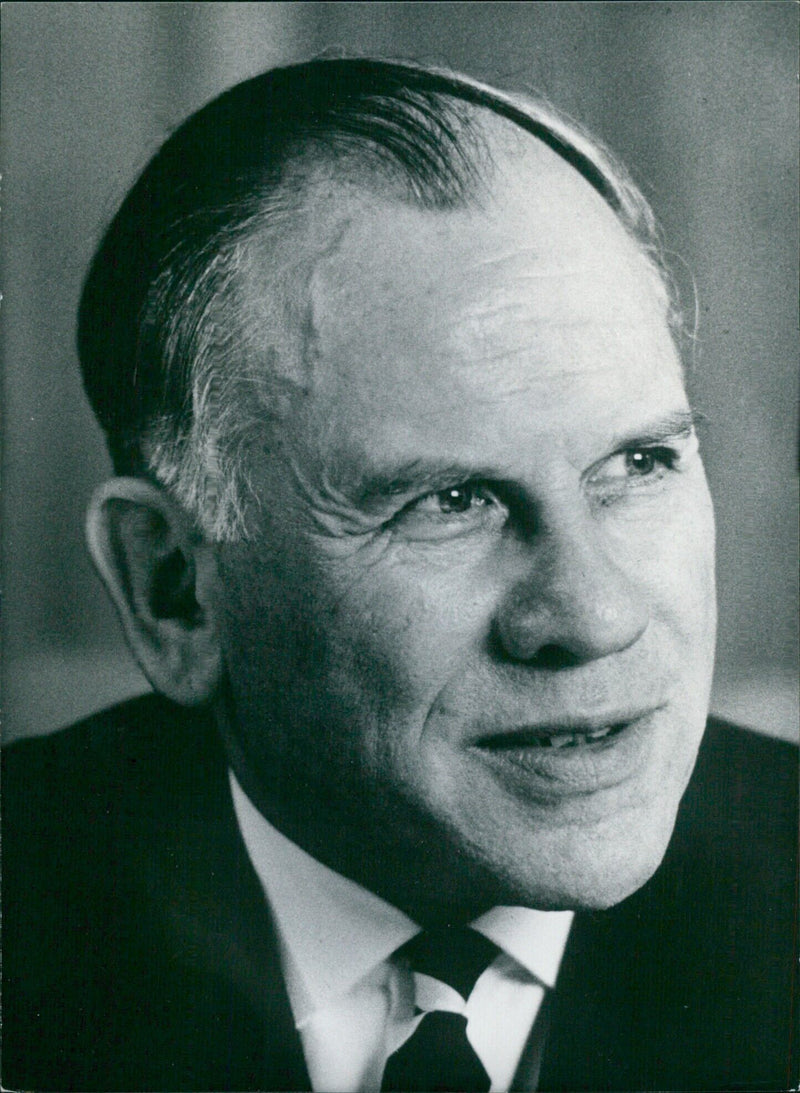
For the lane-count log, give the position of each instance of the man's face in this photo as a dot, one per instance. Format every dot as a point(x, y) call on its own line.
point(470, 642)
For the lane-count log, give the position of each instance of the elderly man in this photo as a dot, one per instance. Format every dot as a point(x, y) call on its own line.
point(412, 537)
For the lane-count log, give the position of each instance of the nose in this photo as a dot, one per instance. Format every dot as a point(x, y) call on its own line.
point(575, 604)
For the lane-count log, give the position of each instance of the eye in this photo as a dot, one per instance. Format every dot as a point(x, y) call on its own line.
point(457, 500)
point(636, 466)
point(641, 462)
point(472, 507)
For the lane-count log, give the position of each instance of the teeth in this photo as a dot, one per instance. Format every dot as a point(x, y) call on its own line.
point(598, 734)
point(571, 739)
point(564, 740)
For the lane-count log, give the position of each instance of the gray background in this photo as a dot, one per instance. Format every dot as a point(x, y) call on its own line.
point(699, 99)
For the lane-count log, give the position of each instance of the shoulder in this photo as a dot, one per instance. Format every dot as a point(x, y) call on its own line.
point(115, 738)
point(730, 873)
point(743, 797)
point(98, 770)
point(80, 805)
point(82, 808)
point(128, 902)
point(727, 747)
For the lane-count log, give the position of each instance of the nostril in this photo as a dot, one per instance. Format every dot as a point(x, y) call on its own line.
point(553, 657)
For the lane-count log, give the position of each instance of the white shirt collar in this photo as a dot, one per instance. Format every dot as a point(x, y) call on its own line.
point(333, 932)
point(535, 939)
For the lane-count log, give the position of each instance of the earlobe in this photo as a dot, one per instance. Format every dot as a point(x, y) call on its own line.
point(162, 578)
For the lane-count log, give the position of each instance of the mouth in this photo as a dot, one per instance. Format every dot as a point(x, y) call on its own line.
point(555, 737)
point(574, 756)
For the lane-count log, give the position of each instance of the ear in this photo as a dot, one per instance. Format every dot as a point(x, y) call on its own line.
point(162, 577)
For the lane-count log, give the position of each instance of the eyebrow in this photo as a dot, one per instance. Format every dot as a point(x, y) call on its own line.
point(416, 476)
point(419, 476)
point(673, 426)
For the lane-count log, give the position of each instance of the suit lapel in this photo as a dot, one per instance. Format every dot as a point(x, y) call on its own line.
point(211, 911)
point(591, 1003)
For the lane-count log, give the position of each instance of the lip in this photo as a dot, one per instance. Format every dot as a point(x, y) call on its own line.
point(579, 769)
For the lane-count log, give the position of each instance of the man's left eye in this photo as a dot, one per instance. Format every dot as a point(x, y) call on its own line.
point(637, 463)
point(641, 462)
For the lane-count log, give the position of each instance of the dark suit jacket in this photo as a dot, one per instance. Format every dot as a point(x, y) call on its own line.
point(139, 954)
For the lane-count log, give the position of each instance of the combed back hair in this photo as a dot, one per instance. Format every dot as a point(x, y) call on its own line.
point(157, 338)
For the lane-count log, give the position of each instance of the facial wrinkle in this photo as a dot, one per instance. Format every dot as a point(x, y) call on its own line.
point(331, 512)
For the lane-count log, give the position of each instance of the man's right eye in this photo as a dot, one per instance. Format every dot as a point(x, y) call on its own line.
point(456, 510)
point(457, 500)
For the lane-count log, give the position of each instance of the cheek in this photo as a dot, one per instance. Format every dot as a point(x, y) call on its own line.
point(671, 556)
point(692, 570)
point(415, 627)
point(353, 638)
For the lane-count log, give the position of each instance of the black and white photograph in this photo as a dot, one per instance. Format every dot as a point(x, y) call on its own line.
point(400, 547)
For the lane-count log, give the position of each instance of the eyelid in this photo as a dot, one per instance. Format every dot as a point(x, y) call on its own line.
point(478, 486)
point(680, 445)
point(428, 525)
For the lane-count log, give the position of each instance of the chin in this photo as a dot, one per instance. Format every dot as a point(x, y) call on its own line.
point(593, 872)
point(589, 892)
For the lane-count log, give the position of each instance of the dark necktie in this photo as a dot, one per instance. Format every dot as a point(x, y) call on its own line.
point(438, 1057)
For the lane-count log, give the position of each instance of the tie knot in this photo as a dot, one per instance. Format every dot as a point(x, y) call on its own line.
point(453, 955)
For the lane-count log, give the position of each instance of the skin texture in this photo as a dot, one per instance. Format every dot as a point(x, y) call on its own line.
point(385, 638)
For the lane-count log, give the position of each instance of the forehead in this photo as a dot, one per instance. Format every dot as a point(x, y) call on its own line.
point(537, 292)
point(541, 231)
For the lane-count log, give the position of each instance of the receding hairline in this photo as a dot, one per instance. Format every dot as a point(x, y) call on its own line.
point(157, 307)
point(332, 192)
